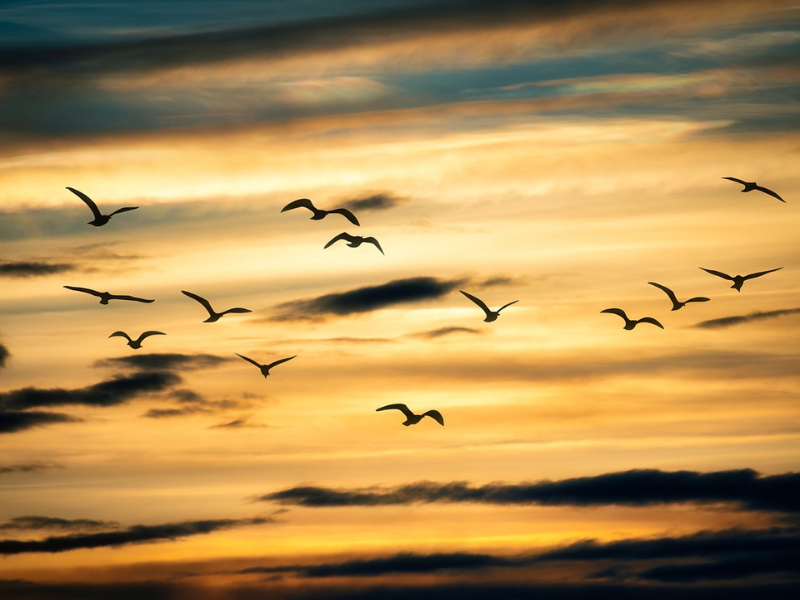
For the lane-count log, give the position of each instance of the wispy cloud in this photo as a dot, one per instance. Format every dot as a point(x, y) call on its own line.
point(33, 269)
point(748, 318)
point(366, 299)
point(33, 467)
point(383, 201)
point(745, 45)
point(443, 331)
point(12, 421)
point(35, 522)
point(164, 361)
point(641, 487)
point(4, 354)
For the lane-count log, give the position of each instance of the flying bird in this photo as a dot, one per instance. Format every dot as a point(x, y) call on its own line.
point(749, 186)
point(264, 368)
point(213, 316)
point(411, 418)
point(318, 213)
point(676, 304)
point(99, 218)
point(105, 296)
point(491, 315)
point(354, 241)
point(137, 343)
point(631, 323)
point(738, 280)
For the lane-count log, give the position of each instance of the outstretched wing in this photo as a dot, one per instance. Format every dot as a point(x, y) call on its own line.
point(477, 301)
point(372, 240)
point(89, 202)
point(122, 334)
point(250, 360)
point(505, 305)
point(236, 310)
point(435, 415)
point(616, 311)
point(277, 362)
point(346, 214)
point(666, 290)
point(759, 274)
point(718, 274)
point(301, 203)
point(736, 180)
point(200, 299)
point(124, 209)
point(84, 290)
point(401, 407)
point(697, 299)
point(147, 334)
point(341, 236)
point(650, 320)
point(131, 298)
point(770, 192)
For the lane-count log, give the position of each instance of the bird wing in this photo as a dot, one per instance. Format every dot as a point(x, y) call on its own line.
point(401, 407)
point(698, 299)
point(250, 360)
point(301, 203)
point(650, 320)
point(84, 290)
point(277, 362)
point(718, 274)
point(236, 310)
point(770, 192)
point(509, 304)
point(200, 299)
point(123, 334)
point(435, 415)
point(346, 214)
point(616, 311)
point(760, 273)
point(666, 290)
point(89, 202)
point(131, 298)
point(147, 334)
point(124, 209)
point(477, 301)
point(341, 236)
point(736, 180)
point(372, 240)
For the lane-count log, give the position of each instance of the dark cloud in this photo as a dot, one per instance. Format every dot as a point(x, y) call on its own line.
point(741, 319)
point(12, 420)
point(750, 564)
point(27, 467)
point(136, 534)
point(241, 423)
point(33, 522)
point(443, 331)
point(367, 299)
point(374, 202)
point(4, 354)
point(164, 361)
point(744, 488)
point(192, 403)
point(33, 269)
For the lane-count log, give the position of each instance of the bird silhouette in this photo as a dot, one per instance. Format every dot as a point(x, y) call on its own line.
point(738, 280)
point(631, 323)
point(319, 213)
point(213, 316)
point(354, 241)
point(676, 304)
point(264, 368)
point(137, 343)
point(411, 418)
point(491, 315)
point(105, 296)
point(99, 218)
point(749, 186)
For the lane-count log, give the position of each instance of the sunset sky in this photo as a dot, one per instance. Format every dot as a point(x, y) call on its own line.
point(558, 153)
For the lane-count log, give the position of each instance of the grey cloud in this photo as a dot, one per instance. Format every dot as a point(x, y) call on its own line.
point(12, 421)
point(382, 201)
point(443, 331)
point(33, 269)
point(33, 522)
point(164, 361)
point(32, 467)
point(742, 319)
point(4, 354)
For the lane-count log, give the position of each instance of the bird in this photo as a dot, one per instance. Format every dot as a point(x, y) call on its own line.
point(411, 418)
point(105, 296)
point(631, 323)
point(738, 280)
point(137, 343)
point(264, 368)
point(491, 315)
point(99, 218)
point(213, 316)
point(676, 304)
point(749, 186)
point(354, 241)
point(319, 213)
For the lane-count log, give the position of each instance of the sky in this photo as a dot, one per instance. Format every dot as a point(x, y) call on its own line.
point(558, 155)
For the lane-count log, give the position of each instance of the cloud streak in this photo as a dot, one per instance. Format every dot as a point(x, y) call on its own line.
point(33, 269)
point(724, 322)
point(34, 522)
point(33, 467)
